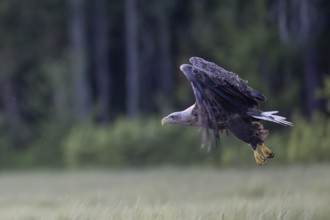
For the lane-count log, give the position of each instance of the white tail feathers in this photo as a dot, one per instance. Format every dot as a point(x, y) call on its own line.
point(270, 116)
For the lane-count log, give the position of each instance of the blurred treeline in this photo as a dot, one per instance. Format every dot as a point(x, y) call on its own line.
point(86, 82)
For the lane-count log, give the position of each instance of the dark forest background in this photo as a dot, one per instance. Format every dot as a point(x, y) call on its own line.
point(87, 82)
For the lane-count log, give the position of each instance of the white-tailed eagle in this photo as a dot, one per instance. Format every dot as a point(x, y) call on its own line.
point(225, 102)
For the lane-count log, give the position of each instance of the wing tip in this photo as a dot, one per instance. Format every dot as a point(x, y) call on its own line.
point(184, 67)
point(187, 70)
point(194, 59)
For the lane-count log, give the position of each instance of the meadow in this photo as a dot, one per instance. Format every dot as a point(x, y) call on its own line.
point(280, 192)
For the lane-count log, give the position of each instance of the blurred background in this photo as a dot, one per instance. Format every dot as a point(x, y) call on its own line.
point(85, 83)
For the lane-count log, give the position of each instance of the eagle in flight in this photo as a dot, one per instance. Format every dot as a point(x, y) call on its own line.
point(225, 102)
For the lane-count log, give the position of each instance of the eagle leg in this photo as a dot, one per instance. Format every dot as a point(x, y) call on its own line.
point(259, 158)
point(266, 151)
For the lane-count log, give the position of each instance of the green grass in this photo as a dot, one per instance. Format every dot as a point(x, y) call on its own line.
point(298, 192)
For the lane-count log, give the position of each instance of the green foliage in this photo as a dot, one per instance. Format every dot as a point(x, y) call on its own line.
point(324, 92)
point(43, 151)
point(133, 143)
point(309, 141)
point(144, 142)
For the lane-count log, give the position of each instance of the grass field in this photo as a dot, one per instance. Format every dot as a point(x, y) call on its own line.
point(298, 192)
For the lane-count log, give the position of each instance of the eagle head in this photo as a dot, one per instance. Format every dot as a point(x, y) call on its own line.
point(184, 117)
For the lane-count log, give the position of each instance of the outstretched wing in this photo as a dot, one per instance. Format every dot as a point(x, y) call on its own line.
point(217, 93)
point(228, 79)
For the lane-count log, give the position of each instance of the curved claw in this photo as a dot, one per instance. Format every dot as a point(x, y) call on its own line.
point(259, 158)
point(266, 151)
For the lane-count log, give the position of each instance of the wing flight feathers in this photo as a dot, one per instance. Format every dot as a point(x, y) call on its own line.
point(228, 77)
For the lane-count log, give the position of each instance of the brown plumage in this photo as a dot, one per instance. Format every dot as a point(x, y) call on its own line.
point(224, 102)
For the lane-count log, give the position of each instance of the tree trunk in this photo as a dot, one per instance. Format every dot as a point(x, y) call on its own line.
point(15, 127)
point(300, 24)
point(77, 31)
point(101, 56)
point(132, 60)
point(149, 67)
point(311, 79)
point(312, 22)
point(166, 80)
point(58, 78)
point(9, 102)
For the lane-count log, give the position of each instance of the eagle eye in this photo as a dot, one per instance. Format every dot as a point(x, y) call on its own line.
point(174, 117)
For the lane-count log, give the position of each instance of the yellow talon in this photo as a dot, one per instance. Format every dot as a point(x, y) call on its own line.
point(266, 151)
point(259, 158)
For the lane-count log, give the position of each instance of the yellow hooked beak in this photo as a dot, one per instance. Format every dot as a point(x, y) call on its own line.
point(163, 121)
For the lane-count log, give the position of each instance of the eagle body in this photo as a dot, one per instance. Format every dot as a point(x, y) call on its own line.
point(224, 101)
point(245, 128)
